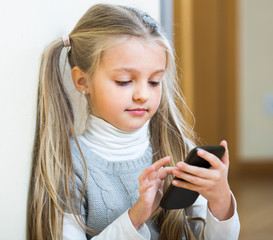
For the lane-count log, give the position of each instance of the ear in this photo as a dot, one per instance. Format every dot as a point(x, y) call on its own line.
point(80, 79)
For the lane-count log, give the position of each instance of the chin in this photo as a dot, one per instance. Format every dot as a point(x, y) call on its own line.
point(132, 128)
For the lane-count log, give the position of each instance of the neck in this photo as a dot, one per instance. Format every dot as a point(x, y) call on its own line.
point(112, 143)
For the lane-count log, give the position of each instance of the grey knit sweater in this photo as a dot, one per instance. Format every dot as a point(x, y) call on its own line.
point(112, 187)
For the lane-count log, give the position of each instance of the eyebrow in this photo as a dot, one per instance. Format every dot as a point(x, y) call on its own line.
point(133, 70)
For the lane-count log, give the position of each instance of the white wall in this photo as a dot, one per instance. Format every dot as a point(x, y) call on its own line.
point(256, 80)
point(27, 27)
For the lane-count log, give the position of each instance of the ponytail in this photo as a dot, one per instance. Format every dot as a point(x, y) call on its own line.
point(51, 157)
point(100, 28)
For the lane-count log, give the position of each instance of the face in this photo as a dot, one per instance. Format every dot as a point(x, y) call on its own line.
point(125, 90)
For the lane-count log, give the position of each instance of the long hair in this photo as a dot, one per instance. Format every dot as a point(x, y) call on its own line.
point(50, 191)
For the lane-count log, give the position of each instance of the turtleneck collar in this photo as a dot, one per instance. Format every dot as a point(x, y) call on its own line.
point(112, 143)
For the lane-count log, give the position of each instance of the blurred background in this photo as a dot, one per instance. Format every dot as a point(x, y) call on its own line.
point(224, 56)
point(225, 51)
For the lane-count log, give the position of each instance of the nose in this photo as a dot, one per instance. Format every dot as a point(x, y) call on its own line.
point(141, 92)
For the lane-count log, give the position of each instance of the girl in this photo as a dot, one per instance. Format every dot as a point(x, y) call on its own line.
point(107, 182)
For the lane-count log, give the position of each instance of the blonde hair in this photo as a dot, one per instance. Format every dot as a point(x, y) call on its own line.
point(50, 189)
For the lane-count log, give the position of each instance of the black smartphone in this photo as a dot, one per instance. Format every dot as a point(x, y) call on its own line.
point(178, 198)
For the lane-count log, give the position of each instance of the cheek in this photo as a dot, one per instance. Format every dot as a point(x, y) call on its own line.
point(111, 100)
point(157, 97)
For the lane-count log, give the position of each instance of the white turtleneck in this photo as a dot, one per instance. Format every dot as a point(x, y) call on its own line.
point(112, 143)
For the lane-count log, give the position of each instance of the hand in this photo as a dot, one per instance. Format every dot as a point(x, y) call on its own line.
point(211, 183)
point(151, 182)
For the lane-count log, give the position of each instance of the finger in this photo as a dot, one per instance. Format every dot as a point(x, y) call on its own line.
point(161, 186)
point(161, 162)
point(143, 177)
point(214, 161)
point(143, 188)
point(196, 180)
point(193, 170)
point(147, 174)
point(225, 158)
point(164, 172)
point(186, 185)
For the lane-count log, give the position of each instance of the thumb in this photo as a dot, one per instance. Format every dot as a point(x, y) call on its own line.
point(225, 158)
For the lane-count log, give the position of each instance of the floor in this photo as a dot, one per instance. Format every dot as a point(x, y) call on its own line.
point(254, 195)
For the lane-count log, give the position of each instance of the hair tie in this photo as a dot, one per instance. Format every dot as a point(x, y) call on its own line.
point(66, 40)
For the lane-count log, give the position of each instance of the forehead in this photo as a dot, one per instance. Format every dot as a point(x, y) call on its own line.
point(134, 52)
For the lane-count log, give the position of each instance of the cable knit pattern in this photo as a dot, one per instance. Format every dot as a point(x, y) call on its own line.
point(116, 183)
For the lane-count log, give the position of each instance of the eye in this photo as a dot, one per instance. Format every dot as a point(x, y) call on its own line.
point(122, 83)
point(154, 83)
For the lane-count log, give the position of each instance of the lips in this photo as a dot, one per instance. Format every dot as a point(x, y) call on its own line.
point(137, 111)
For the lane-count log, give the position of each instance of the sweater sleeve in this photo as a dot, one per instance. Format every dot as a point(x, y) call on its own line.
point(214, 229)
point(121, 229)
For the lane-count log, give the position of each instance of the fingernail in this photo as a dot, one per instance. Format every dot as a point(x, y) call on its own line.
point(201, 152)
point(176, 171)
point(180, 165)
